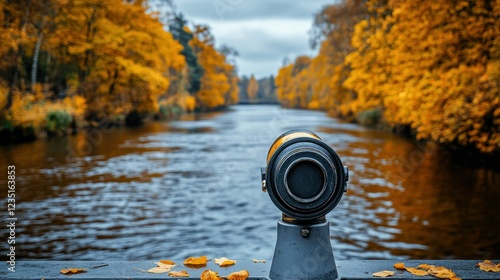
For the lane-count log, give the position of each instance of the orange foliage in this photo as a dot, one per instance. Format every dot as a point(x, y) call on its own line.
point(125, 60)
point(115, 56)
point(317, 83)
point(432, 66)
point(29, 112)
point(218, 83)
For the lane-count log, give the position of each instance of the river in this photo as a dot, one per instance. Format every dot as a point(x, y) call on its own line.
point(191, 186)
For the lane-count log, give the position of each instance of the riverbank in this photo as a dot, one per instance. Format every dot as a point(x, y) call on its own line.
point(463, 155)
point(62, 124)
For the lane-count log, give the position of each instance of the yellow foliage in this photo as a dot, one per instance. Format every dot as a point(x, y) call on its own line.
point(317, 83)
point(115, 55)
point(218, 87)
point(185, 101)
point(313, 105)
point(283, 83)
point(26, 111)
point(442, 86)
point(432, 66)
point(4, 91)
point(131, 55)
point(233, 95)
point(190, 103)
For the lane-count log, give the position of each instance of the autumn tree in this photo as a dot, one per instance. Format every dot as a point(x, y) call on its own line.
point(252, 88)
point(369, 61)
point(319, 84)
point(219, 82)
point(230, 54)
point(63, 61)
point(283, 86)
point(432, 66)
point(124, 57)
point(60, 57)
point(13, 27)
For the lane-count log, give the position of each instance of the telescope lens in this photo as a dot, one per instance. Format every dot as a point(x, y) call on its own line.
point(305, 181)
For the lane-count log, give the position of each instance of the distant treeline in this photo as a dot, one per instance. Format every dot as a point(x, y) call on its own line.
point(65, 64)
point(431, 68)
point(257, 91)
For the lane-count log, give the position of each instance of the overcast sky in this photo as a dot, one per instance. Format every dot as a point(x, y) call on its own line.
point(263, 32)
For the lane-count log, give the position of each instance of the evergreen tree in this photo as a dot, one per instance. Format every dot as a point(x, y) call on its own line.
point(182, 34)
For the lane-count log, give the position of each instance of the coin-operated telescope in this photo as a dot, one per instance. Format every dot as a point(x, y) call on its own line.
point(305, 179)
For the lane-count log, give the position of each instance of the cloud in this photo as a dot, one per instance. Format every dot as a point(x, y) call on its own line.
point(237, 10)
point(263, 32)
point(264, 39)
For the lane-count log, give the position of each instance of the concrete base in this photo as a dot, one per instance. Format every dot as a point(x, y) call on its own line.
point(347, 269)
point(298, 257)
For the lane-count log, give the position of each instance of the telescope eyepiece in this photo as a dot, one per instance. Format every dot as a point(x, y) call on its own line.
point(304, 177)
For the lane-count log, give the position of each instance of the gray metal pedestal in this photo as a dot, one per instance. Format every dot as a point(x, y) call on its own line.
point(303, 252)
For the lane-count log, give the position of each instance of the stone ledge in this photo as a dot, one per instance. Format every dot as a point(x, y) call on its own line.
point(347, 269)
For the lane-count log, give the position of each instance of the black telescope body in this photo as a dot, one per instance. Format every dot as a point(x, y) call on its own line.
point(304, 177)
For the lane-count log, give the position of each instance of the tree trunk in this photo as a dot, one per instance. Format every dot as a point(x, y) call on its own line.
point(36, 54)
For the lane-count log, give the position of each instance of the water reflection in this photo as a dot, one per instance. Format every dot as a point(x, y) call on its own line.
point(191, 187)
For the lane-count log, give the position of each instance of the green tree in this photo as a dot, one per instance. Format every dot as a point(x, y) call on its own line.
point(178, 28)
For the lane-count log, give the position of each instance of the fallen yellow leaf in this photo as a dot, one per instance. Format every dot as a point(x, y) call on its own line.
point(167, 262)
point(181, 273)
point(383, 273)
point(196, 262)
point(416, 271)
point(239, 275)
point(400, 266)
point(259, 261)
point(73, 270)
point(163, 265)
point(209, 275)
point(442, 272)
point(158, 269)
point(489, 266)
point(224, 262)
point(426, 266)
